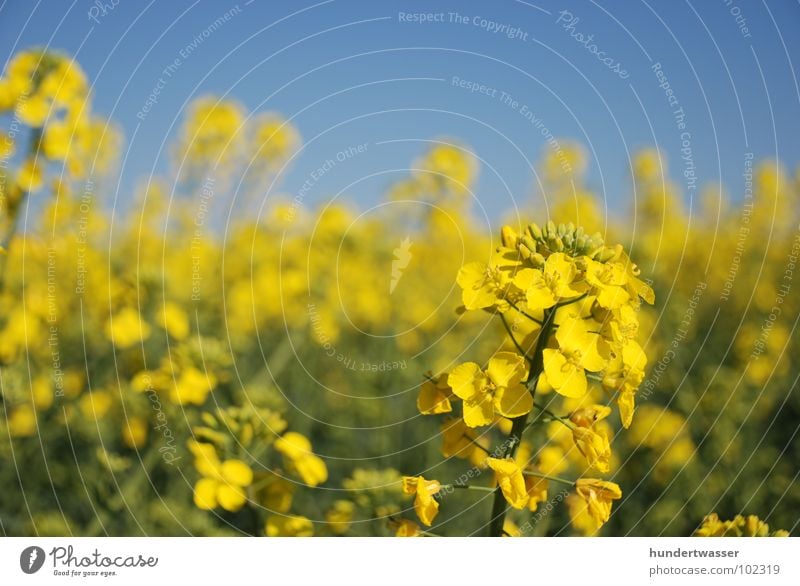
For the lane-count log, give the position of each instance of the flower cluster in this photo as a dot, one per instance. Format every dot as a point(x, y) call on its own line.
point(569, 305)
point(245, 457)
point(47, 95)
point(739, 526)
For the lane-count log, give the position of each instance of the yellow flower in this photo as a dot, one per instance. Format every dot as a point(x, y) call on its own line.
point(289, 526)
point(497, 390)
point(510, 480)
point(484, 285)
point(434, 396)
point(449, 167)
point(95, 404)
point(598, 495)
point(275, 493)
point(544, 288)
point(275, 140)
point(648, 165)
point(588, 416)
point(566, 162)
point(624, 374)
point(407, 528)
point(635, 286)
point(34, 110)
point(577, 350)
point(127, 328)
point(537, 491)
point(134, 432)
point(6, 146)
point(42, 393)
point(739, 526)
point(30, 176)
point(192, 387)
point(425, 505)
point(223, 484)
point(174, 320)
point(608, 282)
point(22, 421)
point(340, 516)
point(594, 446)
point(299, 458)
point(212, 132)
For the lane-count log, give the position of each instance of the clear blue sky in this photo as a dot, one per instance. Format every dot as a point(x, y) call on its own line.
point(350, 72)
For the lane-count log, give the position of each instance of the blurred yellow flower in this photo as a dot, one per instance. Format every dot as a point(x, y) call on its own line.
point(289, 526)
point(174, 320)
point(126, 328)
point(192, 387)
point(275, 139)
point(340, 516)
point(224, 485)
point(22, 421)
point(296, 450)
point(134, 432)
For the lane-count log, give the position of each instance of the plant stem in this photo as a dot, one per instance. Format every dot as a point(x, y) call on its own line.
point(518, 310)
point(573, 300)
point(546, 477)
point(513, 339)
point(474, 443)
point(563, 420)
point(499, 507)
point(468, 487)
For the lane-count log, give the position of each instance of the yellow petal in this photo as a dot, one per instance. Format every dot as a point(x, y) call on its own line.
point(510, 480)
point(236, 472)
point(231, 498)
point(467, 380)
point(432, 400)
point(478, 411)
point(567, 379)
point(507, 369)
point(513, 401)
point(311, 469)
point(205, 494)
point(477, 293)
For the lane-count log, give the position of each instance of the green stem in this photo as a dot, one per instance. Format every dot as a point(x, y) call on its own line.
point(530, 317)
point(546, 477)
point(513, 339)
point(468, 487)
point(563, 420)
point(571, 301)
point(474, 443)
point(499, 507)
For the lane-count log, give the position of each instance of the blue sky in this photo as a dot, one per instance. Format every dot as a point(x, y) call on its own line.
point(351, 72)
